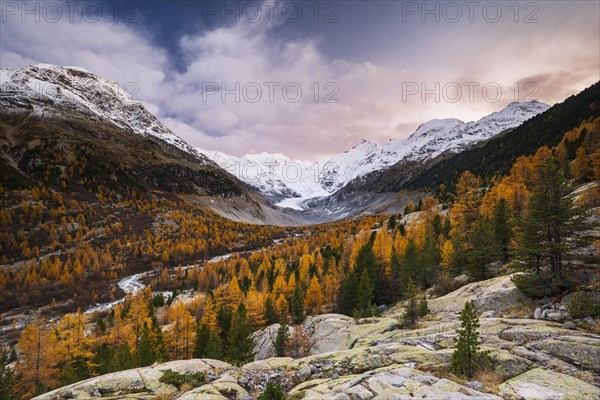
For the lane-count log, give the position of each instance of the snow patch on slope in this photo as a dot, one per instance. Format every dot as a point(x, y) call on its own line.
point(48, 90)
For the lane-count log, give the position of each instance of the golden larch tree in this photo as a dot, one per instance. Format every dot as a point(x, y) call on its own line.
point(37, 363)
point(314, 297)
point(181, 333)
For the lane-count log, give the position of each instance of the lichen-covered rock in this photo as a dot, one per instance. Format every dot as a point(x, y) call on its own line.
point(541, 384)
point(328, 333)
point(497, 294)
point(143, 382)
point(393, 382)
point(375, 359)
point(220, 389)
point(578, 350)
point(525, 331)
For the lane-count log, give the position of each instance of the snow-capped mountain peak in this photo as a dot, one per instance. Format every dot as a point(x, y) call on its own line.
point(48, 90)
point(435, 125)
point(277, 175)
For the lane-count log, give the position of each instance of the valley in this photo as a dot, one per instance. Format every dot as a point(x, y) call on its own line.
point(126, 253)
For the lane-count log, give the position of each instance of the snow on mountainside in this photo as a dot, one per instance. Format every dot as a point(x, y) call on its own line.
point(288, 181)
point(48, 90)
point(292, 182)
point(429, 140)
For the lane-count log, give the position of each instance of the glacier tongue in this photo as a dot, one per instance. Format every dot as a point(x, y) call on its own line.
point(283, 179)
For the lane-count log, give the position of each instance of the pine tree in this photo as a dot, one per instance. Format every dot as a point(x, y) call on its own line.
point(240, 341)
point(392, 222)
point(547, 233)
point(364, 296)
point(348, 291)
point(411, 314)
point(214, 346)
point(423, 306)
point(7, 382)
point(202, 337)
point(502, 230)
point(122, 358)
point(271, 314)
point(297, 306)
point(467, 356)
point(483, 248)
point(272, 392)
point(395, 273)
point(145, 354)
point(410, 265)
point(429, 259)
point(281, 340)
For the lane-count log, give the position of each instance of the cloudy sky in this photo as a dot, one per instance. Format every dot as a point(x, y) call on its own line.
point(308, 78)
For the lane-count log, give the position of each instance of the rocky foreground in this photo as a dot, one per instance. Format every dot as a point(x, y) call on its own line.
point(375, 359)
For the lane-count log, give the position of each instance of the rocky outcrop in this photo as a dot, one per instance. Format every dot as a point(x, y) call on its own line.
point(139, 383)
point(374, 358)
point(327, 332)
point(395, 382)
point(495, 295)
point(541, 384)
point(552, 312)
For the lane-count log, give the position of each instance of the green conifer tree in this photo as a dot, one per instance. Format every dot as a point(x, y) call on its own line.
point(202, 337)
point(271, 315)
point(411, 314)
point(281, 339)
point(214, 346)
point(240, 341)
point(502, 230)
point(272, 392)
point(145, 354)
point(364, 296)
point(423, 306)
point(548, 232)
point(483, 249)
point(467, 357)
point(297, 306)
point(7, 382)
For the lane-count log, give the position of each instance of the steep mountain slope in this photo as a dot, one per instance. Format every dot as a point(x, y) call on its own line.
point(492, 156)
point(72, 128)
point(75, 131)
point(428, 141)
point(50, 90)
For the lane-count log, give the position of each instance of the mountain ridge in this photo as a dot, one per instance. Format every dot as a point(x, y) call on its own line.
point(78, 89)
point(365, 157)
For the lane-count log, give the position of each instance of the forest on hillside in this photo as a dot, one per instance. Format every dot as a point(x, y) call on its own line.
point(68, 249)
